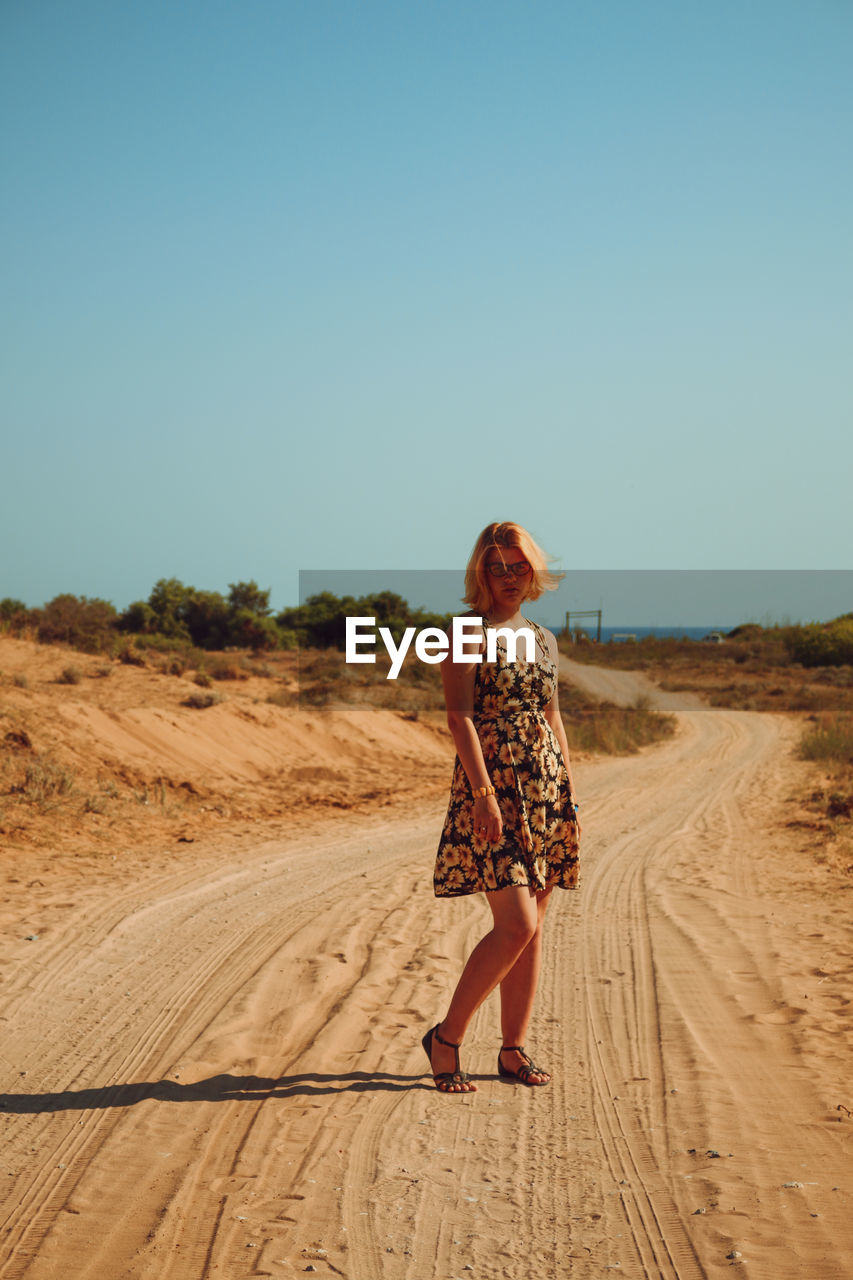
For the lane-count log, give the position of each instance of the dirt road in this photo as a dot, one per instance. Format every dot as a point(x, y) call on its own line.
point(213, 1067)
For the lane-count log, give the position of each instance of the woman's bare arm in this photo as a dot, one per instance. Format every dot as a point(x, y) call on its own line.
point(458, 679)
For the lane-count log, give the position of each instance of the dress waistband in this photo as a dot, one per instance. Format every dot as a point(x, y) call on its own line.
point(513, 715)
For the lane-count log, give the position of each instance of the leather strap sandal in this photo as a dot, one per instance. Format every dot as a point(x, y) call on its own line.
point(524, 1073)
point(446, 1080)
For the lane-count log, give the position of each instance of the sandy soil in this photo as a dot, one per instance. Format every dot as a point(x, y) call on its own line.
point(210, 1060)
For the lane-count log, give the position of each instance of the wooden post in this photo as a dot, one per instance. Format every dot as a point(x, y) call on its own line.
point(584, 613)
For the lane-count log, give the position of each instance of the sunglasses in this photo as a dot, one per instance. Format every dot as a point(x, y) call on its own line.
point(520, 570)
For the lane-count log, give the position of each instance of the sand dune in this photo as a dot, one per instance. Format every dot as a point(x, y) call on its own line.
point(145, 770)
point(210, 1065)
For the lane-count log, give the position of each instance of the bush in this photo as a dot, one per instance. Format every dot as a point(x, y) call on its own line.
point(86, 624)
point(13, 613)
point(70, 675)
point(320, 622)
point(249, 598)
point(44, 781)
point(167, 601)
point(227, 671)
point(208, 619)
point(130, 656)
point(138, 618)
point(178, 613)
point(201, 701)
point(174, 666)
point(253, 631)
point(828, 644)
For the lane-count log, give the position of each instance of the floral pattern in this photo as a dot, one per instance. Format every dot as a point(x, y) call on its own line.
point(539, 843)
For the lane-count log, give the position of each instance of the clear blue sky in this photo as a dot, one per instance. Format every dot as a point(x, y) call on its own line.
point(321, 284)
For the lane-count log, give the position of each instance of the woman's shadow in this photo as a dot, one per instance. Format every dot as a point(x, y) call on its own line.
point(222, 1088)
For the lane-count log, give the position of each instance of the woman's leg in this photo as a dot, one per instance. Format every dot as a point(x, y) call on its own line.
point(518, 990)
point(515, 924)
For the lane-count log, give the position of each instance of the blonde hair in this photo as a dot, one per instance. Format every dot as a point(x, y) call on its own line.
point(478, 592)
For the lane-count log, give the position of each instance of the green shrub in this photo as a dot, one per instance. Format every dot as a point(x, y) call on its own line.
point(828, 644)
point(168, 601)
point(177, 614)
point(247, 597)
point(206, 619)
point(252, 631)
point(138, 618)
point(13, 612)
point(85, 624)
point(320, 622)
point(70, 675)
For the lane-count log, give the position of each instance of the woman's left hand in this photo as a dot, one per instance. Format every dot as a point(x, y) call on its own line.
point(487, 818)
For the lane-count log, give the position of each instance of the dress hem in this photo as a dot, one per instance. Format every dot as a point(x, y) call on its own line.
point(469, 893)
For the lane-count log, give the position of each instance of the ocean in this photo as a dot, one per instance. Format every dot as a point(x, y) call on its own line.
point(618, 634)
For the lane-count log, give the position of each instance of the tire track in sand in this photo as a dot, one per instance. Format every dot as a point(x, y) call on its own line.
point(256, 1103)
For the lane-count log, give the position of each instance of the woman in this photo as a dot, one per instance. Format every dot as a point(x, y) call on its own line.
point(511, 829)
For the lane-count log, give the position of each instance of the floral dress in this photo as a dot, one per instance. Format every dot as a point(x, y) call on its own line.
point(539, 843)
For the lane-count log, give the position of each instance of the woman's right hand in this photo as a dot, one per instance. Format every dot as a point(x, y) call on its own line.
point(488, 824)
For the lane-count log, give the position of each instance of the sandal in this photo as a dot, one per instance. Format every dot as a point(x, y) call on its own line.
point(444, 1080)
point(523, 1073)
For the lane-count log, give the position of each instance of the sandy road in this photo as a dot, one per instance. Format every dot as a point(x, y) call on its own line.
point(224, 1075)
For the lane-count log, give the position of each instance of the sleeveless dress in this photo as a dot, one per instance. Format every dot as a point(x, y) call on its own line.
point(539, 843)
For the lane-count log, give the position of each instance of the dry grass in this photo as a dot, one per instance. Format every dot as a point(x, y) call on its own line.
point(829, 740)
point(604, 728)
point(201, 701)
point(750, 673)
point(228, 671)
point(283, 697)
point(828, 743)
point(43, 782)
point(325, 679)
point(754, 672)
point(38, 789)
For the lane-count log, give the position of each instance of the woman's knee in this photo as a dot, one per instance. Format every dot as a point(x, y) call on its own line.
point(518, 934)
point(517, 924)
